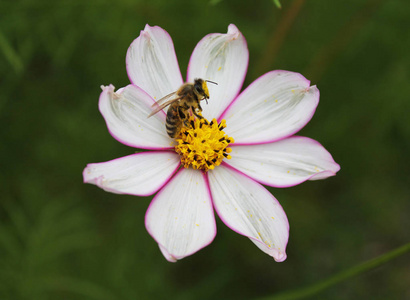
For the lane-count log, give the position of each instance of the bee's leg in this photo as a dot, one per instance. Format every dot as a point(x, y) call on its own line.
point(182, 115)
point(196, 113)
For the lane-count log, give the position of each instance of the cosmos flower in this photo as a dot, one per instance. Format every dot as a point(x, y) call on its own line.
point(219, 164)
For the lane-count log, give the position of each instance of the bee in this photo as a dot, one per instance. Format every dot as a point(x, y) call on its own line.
point(183, 103)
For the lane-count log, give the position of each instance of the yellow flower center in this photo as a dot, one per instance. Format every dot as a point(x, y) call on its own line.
point(202, 144)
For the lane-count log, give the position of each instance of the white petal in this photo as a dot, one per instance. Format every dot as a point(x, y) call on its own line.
point(125, 113)
point(249, 209)
point(180, 217)
point(140, 174)
point(276, 105)
point(152, 64)
point(222, 58)
point(284, 163)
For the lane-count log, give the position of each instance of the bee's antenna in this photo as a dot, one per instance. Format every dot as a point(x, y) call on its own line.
point(211, 82)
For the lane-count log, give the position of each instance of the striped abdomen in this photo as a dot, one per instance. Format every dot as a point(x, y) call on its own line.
point(173, 122)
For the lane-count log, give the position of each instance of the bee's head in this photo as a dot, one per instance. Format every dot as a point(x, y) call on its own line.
point(201, 89)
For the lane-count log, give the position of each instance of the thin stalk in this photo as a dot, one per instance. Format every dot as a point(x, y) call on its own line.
point(278, 36)
point(342, 276)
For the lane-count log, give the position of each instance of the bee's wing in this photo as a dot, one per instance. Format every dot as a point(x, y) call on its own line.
point(164, 102)
point(163, 99)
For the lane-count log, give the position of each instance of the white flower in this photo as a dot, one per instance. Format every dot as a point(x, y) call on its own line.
point(261, 120)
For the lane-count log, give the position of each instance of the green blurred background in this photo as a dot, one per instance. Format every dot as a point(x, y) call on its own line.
point(62, 239)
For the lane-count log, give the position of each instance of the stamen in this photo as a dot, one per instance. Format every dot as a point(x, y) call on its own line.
point(202, 144)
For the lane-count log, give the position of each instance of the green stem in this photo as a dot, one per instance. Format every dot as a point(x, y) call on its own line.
point(354, 271)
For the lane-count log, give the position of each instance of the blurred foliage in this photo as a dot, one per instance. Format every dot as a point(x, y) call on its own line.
point(277, 3)
point(61, 239)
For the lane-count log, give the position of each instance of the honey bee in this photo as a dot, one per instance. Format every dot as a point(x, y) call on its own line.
point(183, 103)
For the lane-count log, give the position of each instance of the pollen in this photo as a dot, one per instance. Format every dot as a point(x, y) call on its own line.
point(203, 144)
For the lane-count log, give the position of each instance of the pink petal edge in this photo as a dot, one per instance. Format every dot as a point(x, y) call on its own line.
point(280, 256)
point(111, 88)
point(326, 173)
point(231, 28)
point(290, 134)
point(154, 28)
point(169, 256)
point(97, 181)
